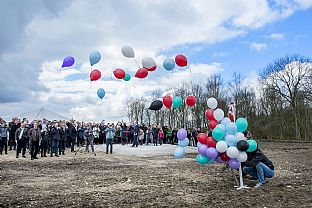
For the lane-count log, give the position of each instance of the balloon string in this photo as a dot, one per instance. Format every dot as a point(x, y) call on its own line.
point(136, 62)
point(60, 73)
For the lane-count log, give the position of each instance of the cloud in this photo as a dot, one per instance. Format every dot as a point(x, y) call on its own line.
point(276, 36)
point(258, 46)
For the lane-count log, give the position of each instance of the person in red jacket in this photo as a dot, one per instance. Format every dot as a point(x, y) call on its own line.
point(161, 136)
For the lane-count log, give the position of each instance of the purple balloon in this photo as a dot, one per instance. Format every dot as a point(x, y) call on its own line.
point(202, 149)
point(68, 61)
point(182, 134)
point(233, 163)
point(219, 160)
point(212, 153)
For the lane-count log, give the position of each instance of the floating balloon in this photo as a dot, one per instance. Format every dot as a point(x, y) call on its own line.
point(156, 105)
point(127, 51)
point(241, 124)
point(242, 145)
point(202, 159)
point(149, 63)
point(211, 142)
point(95, 75)
point(68, 61)
point(212, 103)
point(209, 114)
point(119, 74)
point(181, 60)
point(183, 143)
point(232, 152)
point(179, 152)
point(177, 102)
point(218, 114)
point(221, 146)
point(190, 100)
point(127, 77)
point(141, 73)
point(202, 149)
point(233, 163)
point(169, 64)
point(167, 100)
point(212, 153)
point(242, 157)
point(252, 145)
point(94, 57)
point(182, 134)
point(202, 138)
point(231, 128)
point(101, 93)
point(213, 124)
point(217, 134)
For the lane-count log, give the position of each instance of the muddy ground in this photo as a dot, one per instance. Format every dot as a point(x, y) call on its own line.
point(158, 181)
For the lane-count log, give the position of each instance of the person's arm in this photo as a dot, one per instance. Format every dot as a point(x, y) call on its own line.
point(254, 160)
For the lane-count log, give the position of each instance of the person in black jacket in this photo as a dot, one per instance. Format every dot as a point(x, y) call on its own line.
point(63, 139)
point(55, 138)
point(258, 166)
point(72, 135)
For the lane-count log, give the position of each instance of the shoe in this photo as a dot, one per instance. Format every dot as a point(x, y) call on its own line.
point(63, 153)
point(17, 157)
point(258, 185)
point(51, 156)
point(32, 158)
point(94, 154)
point(44, 156)
point(36, 158)
point(56, 156)
point(24, 156)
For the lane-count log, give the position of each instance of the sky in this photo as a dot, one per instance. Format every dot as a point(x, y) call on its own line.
point(217, 37)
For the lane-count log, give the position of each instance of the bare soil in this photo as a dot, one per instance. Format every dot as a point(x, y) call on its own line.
point(158, 181)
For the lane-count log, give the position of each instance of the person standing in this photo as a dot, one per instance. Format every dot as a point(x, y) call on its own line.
point(155, 135)
point(124, 134)
point(13, 126)
point(110, 133)
point(20, 137)
point(34, 135)
point(96, 133)
point(136, 132)
point(3, 138)
point(55, 138)
point(72, 135)
point(63, 139)
point(44, 141)
point(161, 136)
point(80, 138)
point(89, 138)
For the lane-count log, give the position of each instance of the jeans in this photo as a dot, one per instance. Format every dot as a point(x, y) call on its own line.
point(54, 146)
point(135, 141)
point(109, 142)
point(44, 147)
point(3, 145)
point(260, 172)
point(89, 141)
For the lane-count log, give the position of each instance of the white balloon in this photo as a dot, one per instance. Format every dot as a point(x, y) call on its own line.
point(218, 114)
point(212, 103)
point(221, 146)
point(240, 136)
point(127, 51)
point(232, 152)
point(242, 157)
point(148, 62)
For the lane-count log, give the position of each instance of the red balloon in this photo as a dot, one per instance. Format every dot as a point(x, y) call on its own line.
point(202, 138)
point(224, 156)
point(191, 100)
point(231, 117)
point(119, 73)
point(95, 75)
point(181, 60)
point(209, 114)
point(141, 73)
point(213, 124)
point(152, 69)
point(167, 100)
point(211, 142)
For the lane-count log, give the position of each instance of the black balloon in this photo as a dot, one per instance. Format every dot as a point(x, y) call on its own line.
point(156, 105)
point(242, 145)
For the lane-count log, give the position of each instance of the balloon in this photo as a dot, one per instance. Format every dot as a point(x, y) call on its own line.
point(167, 100)
point(94, 57)
point(190, 100)
point(181, 60)
point(101, 93)
point(141, 73)
point(177, 101)
point(95, 75)
point(232, 152)
point(68, 61)
point(202, 138)
point(230, 140)
point(219, 160)
point(252, 145)
point(199, 144)
point(212, 103)
point(127, 77)
point(231, 128)
point(168, 64)
point(183, 143)
point(182, 134)
point(202, 159)
point(218, 114)
point(224, 157)
point(217, 134)
point(233, 163)
point(242, 145)
point(242, 157)
point(241, 124)
point(225, 121)
point(212, 153)
point(240, 136)
point(156, 105)
point(127, 51)
point(213, 124)
point(211, 142)
point(149, 63)
point(221, 146)
point(179, 152)
point(119, 74)
point(209, 114)
point(202, 149)
point(221, 126)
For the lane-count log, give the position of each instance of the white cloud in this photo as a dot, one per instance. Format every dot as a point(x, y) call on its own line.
point(258, 46)
point(276, 36)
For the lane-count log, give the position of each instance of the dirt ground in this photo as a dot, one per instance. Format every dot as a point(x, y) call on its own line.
point(158, 181)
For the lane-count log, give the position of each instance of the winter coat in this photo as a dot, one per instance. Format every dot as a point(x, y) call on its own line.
point(96, 132)
point(34, 134)
point(110, 133)
point(257, 156)
point(3, 132)
point(55, 133)
point(18, 134)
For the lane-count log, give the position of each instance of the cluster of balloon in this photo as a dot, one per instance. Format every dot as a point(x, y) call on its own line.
point(180, 60)
point(156, 105)
point(191, 100)
point(227, 142)
point(119, 74)
point(101, 93)
point(183, 142)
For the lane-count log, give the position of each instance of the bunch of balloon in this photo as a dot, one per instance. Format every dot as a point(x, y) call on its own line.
point(183, 142)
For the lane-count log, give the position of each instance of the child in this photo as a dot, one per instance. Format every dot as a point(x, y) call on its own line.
point(161, 136)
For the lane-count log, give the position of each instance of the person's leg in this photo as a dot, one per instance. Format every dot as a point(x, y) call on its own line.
point(37, 149)
point(72, 148)
point(92, 145)
point(18, 149)
point(263, 171)
point(57, 144)
point(107, 143)
point(1, 145)
point(87, 145)
point(251, 171)
point(23, 149)
point(6, 146)
point(111, 146)
point(32, 147)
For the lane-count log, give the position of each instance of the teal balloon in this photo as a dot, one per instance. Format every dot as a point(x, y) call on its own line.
point(179, 152)
point(241, 124)
point(202, 159)
point(218, 134)
point(94, 57)
point(101, 93)
point(252, 145)
point(177, 102)
point(127, 77)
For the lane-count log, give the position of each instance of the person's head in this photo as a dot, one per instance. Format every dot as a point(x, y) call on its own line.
point(44, 120)
point(23, 125)
point(35, 124)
